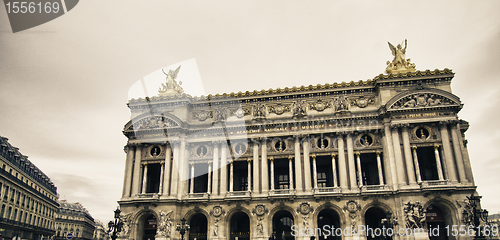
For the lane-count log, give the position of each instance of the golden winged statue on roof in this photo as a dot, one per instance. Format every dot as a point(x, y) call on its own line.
point(399, 64)
point(171, 86)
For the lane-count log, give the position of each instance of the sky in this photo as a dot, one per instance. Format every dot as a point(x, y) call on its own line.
point(64, 85)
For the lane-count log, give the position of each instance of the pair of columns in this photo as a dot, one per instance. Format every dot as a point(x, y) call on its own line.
point(411, 175)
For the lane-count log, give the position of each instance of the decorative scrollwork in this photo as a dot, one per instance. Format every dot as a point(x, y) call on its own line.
point(279, 108)
point(319, 105)
point(362, 101)
point(304, 208)
point(217, 211)
point(260, 210)
point(421, 100)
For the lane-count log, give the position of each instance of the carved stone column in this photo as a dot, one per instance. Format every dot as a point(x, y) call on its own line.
point(209, 190)
point(184, 170)
point(307, 165)
point(350, 162)
point(264, 171)
point(458, 154)
point(175, 169)
point(272, 173)
point(290, 172)
point(231, 182)
point(417, 166)
point(166, 173)
point(342, 164)
point(256, 178)
point(215, 176)
point(315, 172)
point(360, 172)
point(391, 157)
point(144, 177)
point(160, 188)
point(137, 170)
point(298, 165)
point(191, 187)
point(438, 163)
point(379, 168)
point(450, 165)
point(334, 171)
point(249, 176)
point(223, 169)
point(408, 158)
point(399, 156)
point(127, 179)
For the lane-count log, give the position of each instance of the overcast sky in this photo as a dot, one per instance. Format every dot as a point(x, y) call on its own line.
point(64, 84)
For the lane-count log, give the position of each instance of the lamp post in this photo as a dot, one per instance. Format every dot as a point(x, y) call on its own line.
point(182, 228)
point(473, 214)
point(115, 226)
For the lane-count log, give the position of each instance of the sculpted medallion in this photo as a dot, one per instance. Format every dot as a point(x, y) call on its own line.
point(217, 211)
point(259, 210)
point(304, 208)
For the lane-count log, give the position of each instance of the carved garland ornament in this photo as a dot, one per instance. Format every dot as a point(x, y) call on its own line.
point(279, 109)
point(155, 122)
point(362, 101)
point(319, 105)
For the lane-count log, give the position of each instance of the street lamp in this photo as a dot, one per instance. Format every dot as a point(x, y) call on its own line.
point(473, 215)
point(115, 226)
point(182, 228)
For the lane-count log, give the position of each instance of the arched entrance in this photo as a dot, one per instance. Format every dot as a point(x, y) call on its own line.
point(436, 220)
point(330, 218)
point(282, 225)
point(199, 226)
point(239, 227)
point(149, 229)
point(373, 220)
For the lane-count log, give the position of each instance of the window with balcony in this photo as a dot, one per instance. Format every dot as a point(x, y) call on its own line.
point(153, 178)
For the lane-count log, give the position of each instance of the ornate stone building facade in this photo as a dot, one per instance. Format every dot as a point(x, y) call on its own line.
point(248, 165)
point(74, 219)
point(28, 198)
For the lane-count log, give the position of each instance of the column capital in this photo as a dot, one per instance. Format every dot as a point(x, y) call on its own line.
point(313, 156)
point(271, 159)
point(357, 154)
point(249, 160)
point(290, 158)
point(162, 163)
point(334, 155)
point(378, 153)
point(395, 126)
point(443, 124)
point(404, 125)
point(144, 164)
point(175, 142)
point(414, 147)
point(436, 146)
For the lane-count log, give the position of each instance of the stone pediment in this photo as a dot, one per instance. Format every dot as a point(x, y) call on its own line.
point(424, 98)
point(153, 122)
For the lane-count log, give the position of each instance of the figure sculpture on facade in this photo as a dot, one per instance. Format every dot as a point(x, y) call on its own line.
point(126, 225)
point(399, 63)
point(171, 87)
point(259, 111)
point(216, 228)
point(299, 108)
point(164, 224)
point(414, 214)
point(260, 227)
point(341, 104)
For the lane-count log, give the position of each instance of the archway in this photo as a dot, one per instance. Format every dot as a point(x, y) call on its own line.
point(149, 229)
point(199, 226)
point(282, 225)
point(373, 221)
point(436, 219)
point(239, 227)
point(330, 218)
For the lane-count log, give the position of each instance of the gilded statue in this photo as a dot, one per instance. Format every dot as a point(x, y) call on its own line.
point(171, 86)
point(399, 64)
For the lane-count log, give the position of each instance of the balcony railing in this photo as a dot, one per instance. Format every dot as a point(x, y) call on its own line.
point(324, 190)
point(434, 183)
point(370, 188)
point(198, 195)
point(239, 194)
point(281, 192)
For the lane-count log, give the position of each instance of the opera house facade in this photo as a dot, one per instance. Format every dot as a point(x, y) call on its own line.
point(385, 152)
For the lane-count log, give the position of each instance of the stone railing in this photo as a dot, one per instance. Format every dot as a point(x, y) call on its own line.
point(327, 190)
point(373, 188)
point(198, 195)
point(434, 183)
point(239, 194)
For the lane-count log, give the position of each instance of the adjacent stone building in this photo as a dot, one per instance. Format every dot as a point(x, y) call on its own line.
point(386, 152)
point(28, 198)
point(74, 220)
